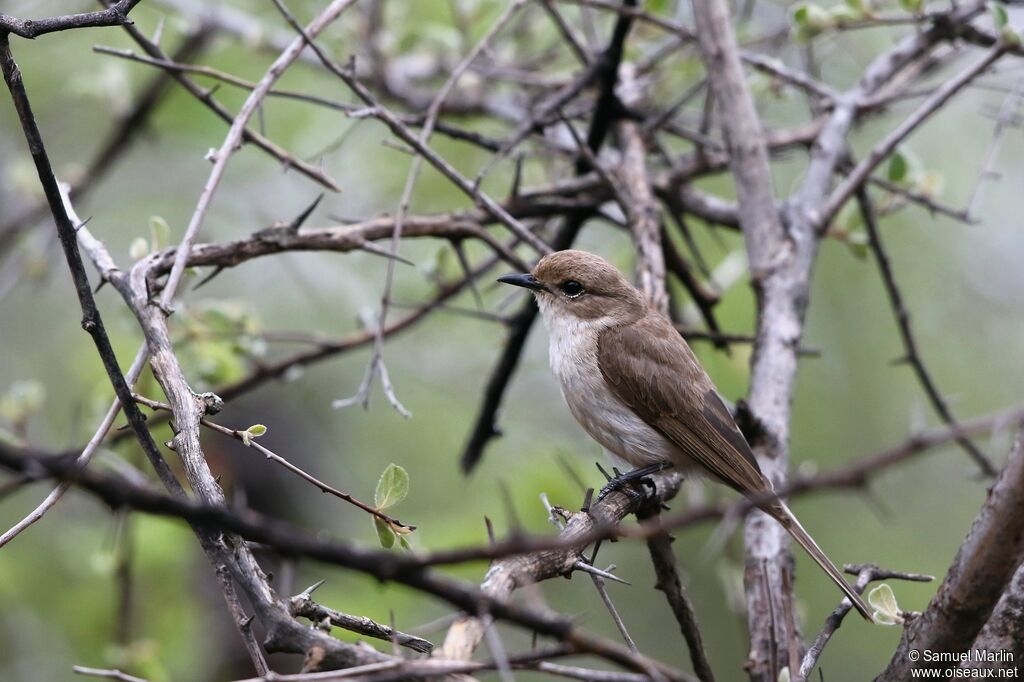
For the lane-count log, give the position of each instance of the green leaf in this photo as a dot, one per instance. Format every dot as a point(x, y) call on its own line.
point(1009, 36)
point(22, 400)
point(897, 170)
point(883, 601)
point(842, 13)
point(160, 232)
point(404, 543)
point(860, 8)
point(810, 20)
point(392, 487)
point(998, 12)
point(929, 183)
point(913, 6)
point(139, 248)
point(384, 533)
point(858, 244)
point(256, 430)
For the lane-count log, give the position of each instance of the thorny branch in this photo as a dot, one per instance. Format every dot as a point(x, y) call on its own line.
point(899, 309)
point(659, 154)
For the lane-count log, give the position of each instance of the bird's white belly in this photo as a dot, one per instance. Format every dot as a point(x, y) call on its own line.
point(573, 356)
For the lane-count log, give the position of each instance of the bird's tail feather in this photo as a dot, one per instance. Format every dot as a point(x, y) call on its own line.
point(783, 515)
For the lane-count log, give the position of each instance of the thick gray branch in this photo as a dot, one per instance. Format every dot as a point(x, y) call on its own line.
point(983, 567)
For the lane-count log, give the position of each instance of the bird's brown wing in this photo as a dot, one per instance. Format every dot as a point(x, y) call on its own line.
point(651, 369)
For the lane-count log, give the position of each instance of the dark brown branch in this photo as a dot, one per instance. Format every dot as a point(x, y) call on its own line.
point(899, 309)
point(856, 475)
point(981, 570)
point(242, 437)
point(663, 559)
point(1004, 630)
point(303, 605)
point(206, 97)
point(289, 540)
point(607, 109)
point(117, 142)
point(92, 323)
point(115, 15)
point(513, 572)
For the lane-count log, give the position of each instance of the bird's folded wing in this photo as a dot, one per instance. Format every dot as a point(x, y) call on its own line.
point(651, 369)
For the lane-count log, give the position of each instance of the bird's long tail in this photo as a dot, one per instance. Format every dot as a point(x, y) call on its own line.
point(781, 513)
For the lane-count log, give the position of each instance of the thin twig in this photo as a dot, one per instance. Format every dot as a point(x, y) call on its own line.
point(234, 137)
point(118, 141)
point(243, 437)
point(1007, 110)
point(866, 574)
point(206, 98)
point(660, 548)
point(608, 109)
point(115, 15)
point(243, 621)
point(376, 365)
point(913, 356)
point(881, 151)
point(303, 605)
point(109, 674)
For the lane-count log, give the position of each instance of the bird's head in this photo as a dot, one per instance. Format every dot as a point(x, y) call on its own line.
point(580, 285)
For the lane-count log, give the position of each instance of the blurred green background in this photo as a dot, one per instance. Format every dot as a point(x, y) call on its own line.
point(964, 285)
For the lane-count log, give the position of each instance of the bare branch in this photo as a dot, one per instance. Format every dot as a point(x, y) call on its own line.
point(780, 281)
point(304, 606)
point(881, 151)
point(115, 15)
point(659, 546)
point(983, 567)
point(206, 98)
point(866, 574)
point(903, 321)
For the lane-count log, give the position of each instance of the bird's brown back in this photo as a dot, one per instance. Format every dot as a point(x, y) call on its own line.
point(651, 369)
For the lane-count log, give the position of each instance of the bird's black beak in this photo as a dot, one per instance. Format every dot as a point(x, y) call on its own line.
point(525, 280)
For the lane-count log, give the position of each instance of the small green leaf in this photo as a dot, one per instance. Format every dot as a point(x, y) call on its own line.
point(883, 601)
point(897, 169)
point(998, 12)
point(929, 183)
point(810, 20)
point(256, 430)
point(404, 543)
point(913, 6)
point(858, 244)
point(392, 487)
point(22, 400)
point(160, 232)
point(841, 13)
point(139, 248)
point(859, 8)
point(1009, 36)
point(384, 533)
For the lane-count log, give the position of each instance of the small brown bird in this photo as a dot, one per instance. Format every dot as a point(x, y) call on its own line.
point(635, 386)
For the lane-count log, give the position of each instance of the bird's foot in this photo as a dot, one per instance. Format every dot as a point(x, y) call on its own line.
point(630, 481)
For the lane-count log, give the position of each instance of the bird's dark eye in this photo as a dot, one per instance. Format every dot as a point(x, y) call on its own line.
point(572, 288)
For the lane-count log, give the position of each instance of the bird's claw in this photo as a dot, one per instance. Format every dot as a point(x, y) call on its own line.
point(630, 481)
